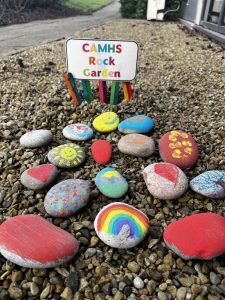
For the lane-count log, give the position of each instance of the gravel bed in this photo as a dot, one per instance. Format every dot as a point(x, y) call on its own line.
point(180, 84)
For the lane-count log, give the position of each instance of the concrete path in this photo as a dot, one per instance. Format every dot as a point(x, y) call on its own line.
point(16, 38)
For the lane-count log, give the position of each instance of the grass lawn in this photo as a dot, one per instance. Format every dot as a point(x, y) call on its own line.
point(86, 5)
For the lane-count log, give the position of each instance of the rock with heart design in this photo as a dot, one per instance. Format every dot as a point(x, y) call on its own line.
point(106, 122)
point(101, 151)
point(67, 156)
point(136, 145)
point(36, 138)
point(179, 148)
point(32, 242)
point(39, 177)
point(200, 236)
point(136, 124)
point(165, 181)
point(78, 132)
point(67, 197)
point(210, 184)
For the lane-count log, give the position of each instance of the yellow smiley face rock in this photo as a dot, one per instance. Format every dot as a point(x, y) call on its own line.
point(66, 156)
point(106, 122)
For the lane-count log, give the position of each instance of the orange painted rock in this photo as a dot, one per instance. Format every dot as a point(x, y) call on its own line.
point(101, 151)
point(200, 236)
point(179, 148)
point(32, 242)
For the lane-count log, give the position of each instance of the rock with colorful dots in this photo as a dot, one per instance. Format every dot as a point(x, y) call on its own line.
point(67, 197)
point(67, 156)
point(106, 122)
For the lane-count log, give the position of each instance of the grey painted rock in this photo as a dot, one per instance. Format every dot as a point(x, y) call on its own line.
point(32, 242)
point(111, 183)
point(210, 184)
point(136, 145)
point(39, 177)
point(36, 138)
point(120, 225)
point(78, 132)
point(165, 181)
point(67, 197)
point(67, 156)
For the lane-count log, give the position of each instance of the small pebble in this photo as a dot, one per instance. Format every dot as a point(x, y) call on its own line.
point(138, 283)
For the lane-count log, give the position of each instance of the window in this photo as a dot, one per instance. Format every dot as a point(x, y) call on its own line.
point(214, 11)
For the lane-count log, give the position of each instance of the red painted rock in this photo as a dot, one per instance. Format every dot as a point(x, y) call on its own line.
point(31, 241)
point(200, 236)
point(179, 148)
point(101, 151)
point(39, 177)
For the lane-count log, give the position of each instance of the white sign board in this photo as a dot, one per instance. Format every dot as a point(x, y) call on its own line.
point(102, 60)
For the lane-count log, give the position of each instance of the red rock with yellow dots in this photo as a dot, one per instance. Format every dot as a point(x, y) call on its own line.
point(179, 148)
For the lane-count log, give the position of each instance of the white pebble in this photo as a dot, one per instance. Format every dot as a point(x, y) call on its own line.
point(138, 283)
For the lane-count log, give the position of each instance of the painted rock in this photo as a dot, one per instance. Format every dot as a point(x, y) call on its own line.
point(101, 151)
point(32, 242)
point(67, 197)
point(36, 138)
point(165, 181)
point(120, 225)
point(200, 236)
point(39, 177)
point(179, 148)
point(136, 145)
point(78, 132)
point(111, 183)
point(136, 124)
point(106, 122)
point(210, 184)
point(66, 156)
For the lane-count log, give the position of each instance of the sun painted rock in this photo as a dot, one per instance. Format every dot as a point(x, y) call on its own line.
point(101, 151)
point(200, 236)
point(179, 148)
point(106, 122)
point(111, 183)
point(210, 184)
point(39, 177)
point(136, 124)
point(136, 144)
point(78, 132)
point(165, 181)
point(120, 225)
point(32, 242)
point(66, 156)
point(67, 197)
point(36, 138)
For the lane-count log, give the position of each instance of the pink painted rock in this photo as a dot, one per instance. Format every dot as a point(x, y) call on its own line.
point(39, 177)
point(179, 148)
point(200, 236)
point(101, 151)
point(165, 181)
point(31, 241)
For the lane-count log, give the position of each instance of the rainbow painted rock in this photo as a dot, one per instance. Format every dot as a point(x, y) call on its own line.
point(39, 177)
point(179, 148)
point(111, 183)
point(67, 197)
point(165, 181)
point(78, 132)
point(136, 144)
point(32, 242)
point(210, 184)
point(106, 122)
point(66, 156)
point(136, 124)
point(36, 138)
point(200, 236)
point(120, 225)
point(101, 151)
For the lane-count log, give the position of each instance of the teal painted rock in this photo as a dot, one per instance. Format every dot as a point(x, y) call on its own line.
point(136, 124)
point(111, 183)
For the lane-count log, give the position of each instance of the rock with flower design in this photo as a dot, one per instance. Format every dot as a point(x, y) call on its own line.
point(67, 197)
point(78, 132)
point(67, 156)
point(179, 148)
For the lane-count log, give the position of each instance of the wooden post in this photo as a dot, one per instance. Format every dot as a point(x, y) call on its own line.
point(114, 92)
point(102, 91)
point(70, 88)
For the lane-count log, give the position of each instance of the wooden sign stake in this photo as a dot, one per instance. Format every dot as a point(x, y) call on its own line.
point(102, 91)
point(114, 92)
point(70, 88)
point(127, 91)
